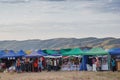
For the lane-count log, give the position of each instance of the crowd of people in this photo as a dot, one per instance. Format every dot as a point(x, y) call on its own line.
point(31, 64)
point(96, 64)
point(70, 64)
point(53, 64)
point(37, 64)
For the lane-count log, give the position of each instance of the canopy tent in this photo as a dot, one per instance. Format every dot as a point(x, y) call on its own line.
point(10, 53)
point(96, 51)
point(74, 51)
point(34, 54)
point(41, 52)
point(28, 51)
point(65, 50)
point(85, 49)
point(114, 51)
point(20, 53)
point(56, 54)
point(52, 54)
point(49, 56)
point(49, 52)
point(2, 52)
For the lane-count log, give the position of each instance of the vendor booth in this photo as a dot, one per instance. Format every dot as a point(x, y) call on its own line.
point(101, 54)
point(72, 61)
point(115, 53)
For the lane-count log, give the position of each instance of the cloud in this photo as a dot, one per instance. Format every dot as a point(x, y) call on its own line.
point(46, 19)
point(14, 1)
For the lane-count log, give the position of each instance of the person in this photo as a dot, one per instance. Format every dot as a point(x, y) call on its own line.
point(23, 65)
point(18, 64)
point(55, 65)
point(93, 64)
point(26, 64)
point(51, 64)
point(30, 65)
point(40, 66)
point(43, 63)
point(11, 68)
point(71, 63)
point(35, 64)
point(58, 64)
point(0, 64)
point(97, 64)
point(48, 65)
point(113, 64)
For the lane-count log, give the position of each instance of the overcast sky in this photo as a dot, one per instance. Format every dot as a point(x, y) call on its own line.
point(46, 19)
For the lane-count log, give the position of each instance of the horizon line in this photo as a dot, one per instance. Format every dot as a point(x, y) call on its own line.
point(56, 38)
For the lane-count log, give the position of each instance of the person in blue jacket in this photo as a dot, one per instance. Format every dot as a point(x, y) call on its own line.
point(113, 64)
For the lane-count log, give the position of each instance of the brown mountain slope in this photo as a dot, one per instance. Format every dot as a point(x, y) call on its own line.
point(58, 43)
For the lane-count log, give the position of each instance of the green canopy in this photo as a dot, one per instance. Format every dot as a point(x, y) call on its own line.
point(65, 50)
point(74, 51)
point(96, 51)
point(50, 52)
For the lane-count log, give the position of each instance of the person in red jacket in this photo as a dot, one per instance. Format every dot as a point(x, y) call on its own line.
point(35, 64)
point(18, 65)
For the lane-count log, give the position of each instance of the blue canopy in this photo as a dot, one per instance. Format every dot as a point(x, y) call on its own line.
point(2, 52)
point(41, 52)
point(114, 51)
point(10, 53)
point(20, 53)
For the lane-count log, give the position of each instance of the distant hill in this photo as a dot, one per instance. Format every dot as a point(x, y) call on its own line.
point(58, 43)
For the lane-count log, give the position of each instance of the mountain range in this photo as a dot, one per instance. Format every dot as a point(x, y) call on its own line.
point(58, 43)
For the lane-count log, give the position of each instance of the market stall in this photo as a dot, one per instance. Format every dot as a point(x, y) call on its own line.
point(71, 63)
point(115, 53)
point(100, 53)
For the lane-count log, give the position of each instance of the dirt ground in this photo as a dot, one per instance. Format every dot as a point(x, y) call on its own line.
point(61, 75)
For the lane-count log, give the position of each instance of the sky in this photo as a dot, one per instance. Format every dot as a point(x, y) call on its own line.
point(46, 19)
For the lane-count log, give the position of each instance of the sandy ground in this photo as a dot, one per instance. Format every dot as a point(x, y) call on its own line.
point(61, 75)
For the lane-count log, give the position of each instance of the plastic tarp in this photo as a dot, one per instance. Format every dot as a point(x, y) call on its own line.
point(83, 65)
point(74, 51)
point(114, 51)
point(96, 51)
point(10, 53)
